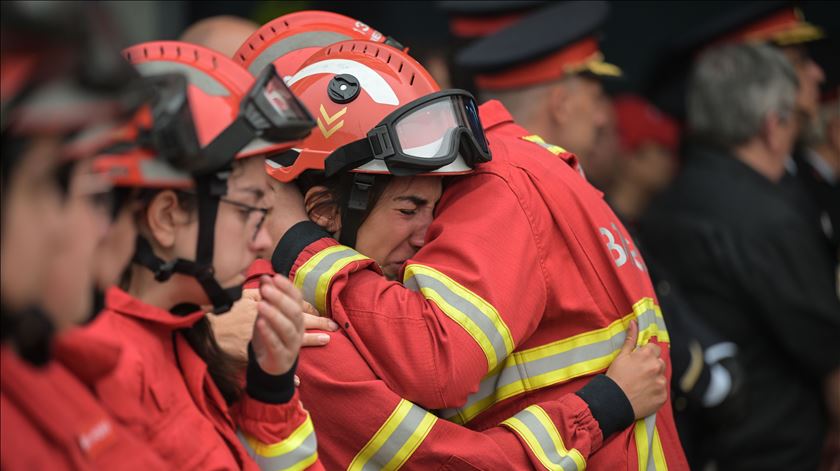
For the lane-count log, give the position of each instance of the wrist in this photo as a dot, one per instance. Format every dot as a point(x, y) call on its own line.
point(297, 238)
point(608, 404)
point(268, 388)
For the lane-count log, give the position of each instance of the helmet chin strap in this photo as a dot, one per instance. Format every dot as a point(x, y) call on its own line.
point(31, 331)
point(209, 189)
point(353, 210)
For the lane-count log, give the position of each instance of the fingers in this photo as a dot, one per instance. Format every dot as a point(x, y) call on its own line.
point(311, 322)
point(315, 340)
point(630, 340)
point(284, 285)
point(264, 336)
point(310, 309)
point(320, 323)
point(284, 304)
point(281, 325)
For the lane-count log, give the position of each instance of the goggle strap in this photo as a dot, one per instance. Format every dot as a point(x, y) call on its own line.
point(223, 149)
point(353, 212)
point(348, 157)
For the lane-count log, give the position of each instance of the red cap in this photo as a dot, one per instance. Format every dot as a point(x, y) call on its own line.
point(785, 27)
point(581, 56)
point(639, 122)
point(469, 27)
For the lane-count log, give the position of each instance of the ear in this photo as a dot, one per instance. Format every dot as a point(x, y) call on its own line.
point(770, 132)
point(163, 215)
point(558, 103)
point(321, 209)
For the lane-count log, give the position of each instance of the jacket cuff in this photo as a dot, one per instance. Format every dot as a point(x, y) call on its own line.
point(268, 388)
point(608, 404)
point(292, 244)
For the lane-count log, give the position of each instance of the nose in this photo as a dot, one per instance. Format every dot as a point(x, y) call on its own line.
point(261, 244)
point(418, 235)
point(816, 71)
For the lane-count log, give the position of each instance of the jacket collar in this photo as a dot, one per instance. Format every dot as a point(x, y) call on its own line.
point(493, 113)
point(123, 303)
point(87, 356)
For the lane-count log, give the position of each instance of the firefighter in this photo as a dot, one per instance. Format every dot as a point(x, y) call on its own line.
point(468, 335)
point(550, 83)
point(339, 385)
point(57, 92)
point(194, 411)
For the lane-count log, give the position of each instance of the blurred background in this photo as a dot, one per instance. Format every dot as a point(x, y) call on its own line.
point(634, 37)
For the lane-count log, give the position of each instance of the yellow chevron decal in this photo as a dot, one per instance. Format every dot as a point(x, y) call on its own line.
point(327, 132)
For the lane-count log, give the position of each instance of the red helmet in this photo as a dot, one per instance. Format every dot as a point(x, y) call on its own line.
point(61, 73)
point(206, 110)
point(373, 97)
point(289, 40)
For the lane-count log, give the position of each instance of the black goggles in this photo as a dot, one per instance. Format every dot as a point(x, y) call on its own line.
point(269, 111)
point(422, 136)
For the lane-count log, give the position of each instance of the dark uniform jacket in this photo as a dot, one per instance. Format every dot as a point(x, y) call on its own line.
point(759, 271)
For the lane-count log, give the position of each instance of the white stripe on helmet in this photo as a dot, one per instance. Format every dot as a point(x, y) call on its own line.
point(371, 82)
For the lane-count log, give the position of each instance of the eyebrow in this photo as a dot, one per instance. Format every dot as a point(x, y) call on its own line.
point(256, 192)
point(413, 199)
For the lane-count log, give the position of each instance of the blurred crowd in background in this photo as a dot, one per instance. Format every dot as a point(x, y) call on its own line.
point(711, 130)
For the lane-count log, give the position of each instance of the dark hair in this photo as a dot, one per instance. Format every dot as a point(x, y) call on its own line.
point(224, 368)
point(337, 191)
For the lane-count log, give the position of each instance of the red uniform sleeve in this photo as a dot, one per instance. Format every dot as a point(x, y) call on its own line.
point(461, 309)
point(277, 436)
point(389, 432)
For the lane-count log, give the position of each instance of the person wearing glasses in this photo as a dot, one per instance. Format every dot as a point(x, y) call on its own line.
point(382, 208)
point(200, 225)
point(526, 286)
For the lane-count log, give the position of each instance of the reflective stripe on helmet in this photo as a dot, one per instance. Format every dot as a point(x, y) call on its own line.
point(371, 82)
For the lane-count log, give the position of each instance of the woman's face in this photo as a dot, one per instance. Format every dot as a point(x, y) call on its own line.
point(396, 227)
point(68, 291)
point(115, 250)
point(32, 213)
point(240, 234)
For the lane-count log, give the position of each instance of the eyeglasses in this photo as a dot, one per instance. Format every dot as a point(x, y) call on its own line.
point(253, 215)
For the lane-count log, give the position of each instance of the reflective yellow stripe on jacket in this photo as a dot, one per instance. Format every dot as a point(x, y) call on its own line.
point(295, 453)
point(475, 315)
point(560, 361)
point(313, 278)
point(395, 441)
point(540, 434)
point(648, 445)
point(556, 150)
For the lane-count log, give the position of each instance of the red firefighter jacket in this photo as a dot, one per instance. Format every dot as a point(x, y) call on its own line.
point(522, 293)
point(389, 432)
point(49, 419)
point(187, 420)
